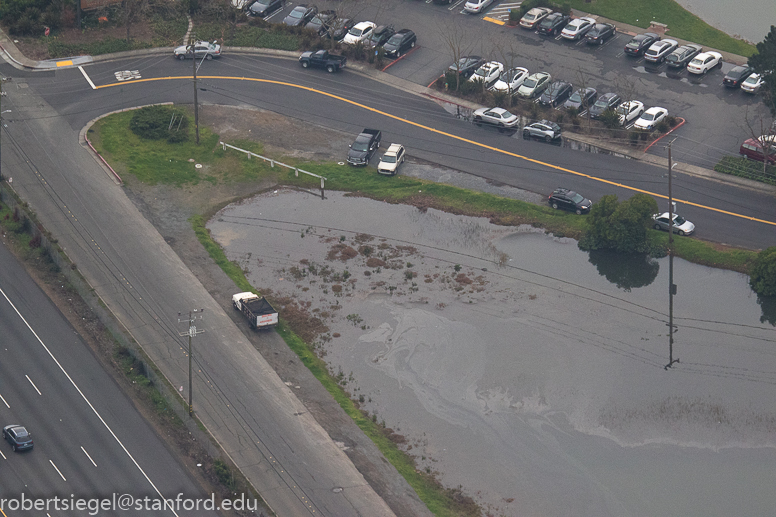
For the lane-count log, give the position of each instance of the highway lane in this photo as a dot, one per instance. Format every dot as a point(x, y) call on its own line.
point(92, 442)
point(446, 146)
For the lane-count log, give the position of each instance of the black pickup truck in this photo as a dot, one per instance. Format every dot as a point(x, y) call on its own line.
point(322, 59)
point(364, 147)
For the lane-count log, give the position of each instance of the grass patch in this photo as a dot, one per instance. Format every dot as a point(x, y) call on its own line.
point(681, 23)
point(743, 168)
point(248, 36)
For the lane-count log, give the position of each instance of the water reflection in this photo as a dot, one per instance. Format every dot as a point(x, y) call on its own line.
point(768, 306)
point(625, 270)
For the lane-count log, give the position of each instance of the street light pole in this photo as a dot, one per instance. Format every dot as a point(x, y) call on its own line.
point(671, 285)
point(196, 104)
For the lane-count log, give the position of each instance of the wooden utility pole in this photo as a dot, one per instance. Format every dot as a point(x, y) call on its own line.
point(671, 285)
point(191, 332)
point(193, 47)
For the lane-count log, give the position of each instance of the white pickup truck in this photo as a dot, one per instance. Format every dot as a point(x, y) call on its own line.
point(393, 157)
point(260, 313)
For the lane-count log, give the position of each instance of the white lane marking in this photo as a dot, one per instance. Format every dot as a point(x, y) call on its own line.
point(58, 472)
point(3, 455)
point(87, 78)
point(33, 385)
point(87, 455)
point(85, 399)
point(4, 402)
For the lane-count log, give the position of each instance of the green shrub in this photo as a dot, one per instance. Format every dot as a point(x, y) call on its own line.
point(610, 119)
point(662, 126)
point(621, 227)
point(762, 276)
point(743, 168)
point(160, 122)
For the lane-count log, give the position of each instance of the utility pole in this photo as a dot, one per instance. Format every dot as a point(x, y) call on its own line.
point(671, 285)
point(193, 47)
point(191, 332)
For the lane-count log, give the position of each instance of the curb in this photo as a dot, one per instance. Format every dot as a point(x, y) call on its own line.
point(666, 134)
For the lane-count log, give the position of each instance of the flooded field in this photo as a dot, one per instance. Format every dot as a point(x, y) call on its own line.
point(523, 369)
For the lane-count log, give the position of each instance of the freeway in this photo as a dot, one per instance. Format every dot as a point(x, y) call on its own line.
point(89, 438)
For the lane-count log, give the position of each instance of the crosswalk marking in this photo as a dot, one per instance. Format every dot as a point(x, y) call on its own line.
point(501, 12)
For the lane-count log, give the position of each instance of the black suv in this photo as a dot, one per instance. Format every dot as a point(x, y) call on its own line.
point(683, 55)
point(737, 75)
point(379, 36)
point(569, 200)
point(640, 43)
point(400, 43)
point(553, 24)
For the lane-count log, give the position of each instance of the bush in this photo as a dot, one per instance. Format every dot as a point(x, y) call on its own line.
point(621, 227)
point(762, 277)
point(160, 122)
point(744, 168)
point(662, 126)
point(633, 136)
point(610, 119)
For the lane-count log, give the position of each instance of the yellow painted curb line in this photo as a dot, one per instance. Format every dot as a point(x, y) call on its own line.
point(494, 20)
point(65, 63)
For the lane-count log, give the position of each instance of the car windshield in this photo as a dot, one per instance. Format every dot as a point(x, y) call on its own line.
point(360, 146)
point(263, 2)
point(735, 74)
point(696, 61)
point(20, 433)
point(602, 103)
point(389, 159)
point(576, 97)
point(355, 32)
point(529, 83)
point(679, 220)
point(635, 42)
point(296, 13)
point(752, 79)
point(648, 116)
point(576, 198)
point(395, 39)
point(622, 109)
point(547, 22)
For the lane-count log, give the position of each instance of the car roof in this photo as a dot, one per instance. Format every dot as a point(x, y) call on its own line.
point(403, 31)
point(364, 25)
point(608, 95)
point(655, 109)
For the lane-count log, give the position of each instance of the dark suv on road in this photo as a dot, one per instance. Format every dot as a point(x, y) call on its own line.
point(569, 200)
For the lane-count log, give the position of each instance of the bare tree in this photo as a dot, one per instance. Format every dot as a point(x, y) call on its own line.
point(458, 39)
point(131, 10)
point(761, 127)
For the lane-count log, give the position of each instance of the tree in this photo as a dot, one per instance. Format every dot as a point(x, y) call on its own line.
point(764, 63)
point(131, 10)
point(458, 38)
point(762, 277)
point(759, 127)
point(621, 227)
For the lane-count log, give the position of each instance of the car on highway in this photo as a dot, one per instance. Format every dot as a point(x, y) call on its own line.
point(658, 51)
point(264, 8)
point(488, 73)
point(476, 6)
point(641, 42)
point(400, 43)
point(556, 93)
point(544, 129)
point(681, 225)
point(565, 199)
point(202, 49)
point(300, 15)
point(704, 62)
point(340, 28)
point(322, 59)
point(737, 75)
point(18, 436)
point(552, 24)
point(498, 117)
point(379, 36)
point(752, 148)
point(359, 32)
point(322, 21)
point(466, 65)
point(683, 55)
point(534, 85)
point(753, 84)
point(534, 16)
point(600, 33)
point(577, 28)
point(650, 118)
point(510, 80)
point(581, 99)
point(629, 111)
point(607, 101)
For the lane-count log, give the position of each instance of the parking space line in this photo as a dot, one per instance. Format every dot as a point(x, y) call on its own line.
point(58, 472)
point(4, 402)
point(3, 455)
point(87, 455)
point(455, 5)
point(33, 385)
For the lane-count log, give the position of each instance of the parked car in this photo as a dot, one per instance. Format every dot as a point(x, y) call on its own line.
point(630, 110)
point(704, 62)
point(753, 148)
point(737, 75)
point(600, 33)
point(681, 225)
point(476, 6)
point(565, 199)
point(577, 28)
point(581, 99)
point(359, 32)
point(202, 49)
point(322, 59)
point(510, 80)
point(658, 51)
point(364, 147)
point(534, 16)
point(683, 55)
point(641, 42)
point(264, 8)
point(753, 84)
point(556, 93)
point(544, 129)
point(340, 28)
point(552, 24)
point(240, 4)
point(18, 436)
point(649, 119)
point(466, 65)
point(498, 117)
point(488, 73)
point(607, 101)
point(300, 15)
point(393, 157)
point(534, 85)
point(379, 36)
point(400, 43)
point(322, 21)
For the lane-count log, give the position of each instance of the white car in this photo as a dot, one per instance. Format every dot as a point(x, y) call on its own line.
point(629, 110)
point(658, 51)
point(360, 32)
point(577, 28)
point(510, 80)
point(704, 62)
point(650, 118)
point(753, 83)
point(488, 73)
point(499, 117)
point(201, 49)
point(534, 16)
point(681, 225)
point(534, 85)
point(476, 6)
point(393, 157)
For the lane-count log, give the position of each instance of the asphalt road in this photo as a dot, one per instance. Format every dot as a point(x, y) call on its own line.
point(89, 438)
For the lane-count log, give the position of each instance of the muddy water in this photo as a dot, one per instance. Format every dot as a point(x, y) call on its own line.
point(515, 368)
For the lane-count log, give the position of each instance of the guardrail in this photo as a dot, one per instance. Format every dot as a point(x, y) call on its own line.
point(273, 162)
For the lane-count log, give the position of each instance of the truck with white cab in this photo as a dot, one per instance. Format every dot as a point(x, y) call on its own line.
point(260, 313)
